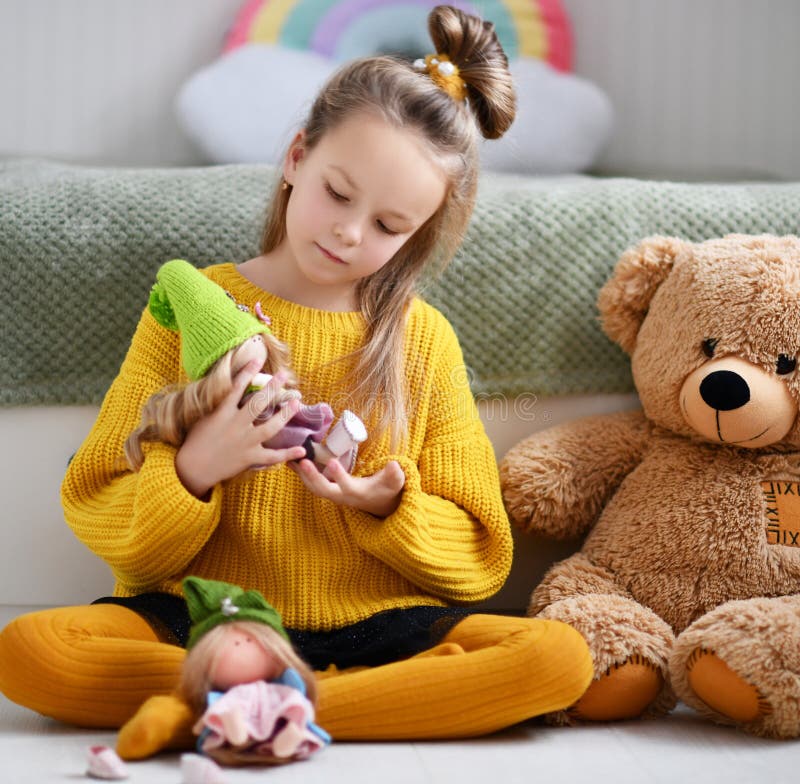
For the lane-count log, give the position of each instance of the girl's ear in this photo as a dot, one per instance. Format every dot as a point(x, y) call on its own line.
point(625, 298)
point(294, 155)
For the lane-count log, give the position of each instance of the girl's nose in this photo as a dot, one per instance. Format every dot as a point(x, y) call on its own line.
point(348, 233)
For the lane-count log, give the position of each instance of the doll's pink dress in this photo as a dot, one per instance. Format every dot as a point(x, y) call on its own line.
point(266, 708)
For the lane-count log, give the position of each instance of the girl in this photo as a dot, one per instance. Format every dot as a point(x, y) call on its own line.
point(371, 573)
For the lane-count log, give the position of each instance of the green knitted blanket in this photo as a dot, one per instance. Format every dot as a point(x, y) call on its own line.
point(79, 249)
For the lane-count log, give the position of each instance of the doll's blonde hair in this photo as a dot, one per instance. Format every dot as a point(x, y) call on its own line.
point(405, 98)
point(169, 414)
point(195, 682)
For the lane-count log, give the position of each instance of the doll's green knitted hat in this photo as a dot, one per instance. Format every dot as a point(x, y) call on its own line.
point(212, 602)
point(209, 321)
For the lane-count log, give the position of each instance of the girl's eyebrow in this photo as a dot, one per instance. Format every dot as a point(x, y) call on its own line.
point(399, 216)
point(345, 175)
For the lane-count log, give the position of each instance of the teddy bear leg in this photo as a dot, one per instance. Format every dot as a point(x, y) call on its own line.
point(623, 691)
point(722, 689)
point(740, 664)
point(630, 647)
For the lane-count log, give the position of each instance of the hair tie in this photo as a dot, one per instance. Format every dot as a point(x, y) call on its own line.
point(444, 74)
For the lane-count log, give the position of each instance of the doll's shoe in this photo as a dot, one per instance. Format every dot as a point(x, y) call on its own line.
point(723, 690)
point(162, 722)
point(624, 691)
point(343, 439)
point(103, 763)
point(200, 770)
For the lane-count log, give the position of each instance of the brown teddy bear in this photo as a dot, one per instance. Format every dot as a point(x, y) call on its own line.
point(688, 584)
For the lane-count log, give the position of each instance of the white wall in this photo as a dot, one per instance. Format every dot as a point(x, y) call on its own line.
point(702, 88)
point(94, 80)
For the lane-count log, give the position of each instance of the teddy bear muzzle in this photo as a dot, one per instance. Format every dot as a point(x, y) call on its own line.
point(730, 400)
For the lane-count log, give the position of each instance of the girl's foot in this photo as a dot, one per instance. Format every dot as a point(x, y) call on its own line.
point(162, 722)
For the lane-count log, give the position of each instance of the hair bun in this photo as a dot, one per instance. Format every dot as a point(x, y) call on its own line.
point(474, 47)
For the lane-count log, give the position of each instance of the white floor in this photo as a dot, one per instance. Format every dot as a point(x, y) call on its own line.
point(680, 749)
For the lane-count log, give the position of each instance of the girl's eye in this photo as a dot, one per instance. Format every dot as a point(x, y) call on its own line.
point(334, 194)
point(386, 230)
point(786, 364)
point(709, 344)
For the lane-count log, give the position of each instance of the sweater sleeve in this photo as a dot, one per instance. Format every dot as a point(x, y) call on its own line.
point(144, 524)
point(450, 536)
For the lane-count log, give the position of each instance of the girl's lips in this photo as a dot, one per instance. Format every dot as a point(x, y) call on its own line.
point(329, 255)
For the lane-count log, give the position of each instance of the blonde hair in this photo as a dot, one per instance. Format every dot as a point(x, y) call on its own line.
point(405, 98)
point(195, 682)
point(169, 414)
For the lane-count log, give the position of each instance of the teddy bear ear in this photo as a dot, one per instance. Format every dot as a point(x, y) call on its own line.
point(625, 298)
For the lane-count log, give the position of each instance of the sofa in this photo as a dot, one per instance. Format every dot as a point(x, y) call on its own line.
point(79, 248)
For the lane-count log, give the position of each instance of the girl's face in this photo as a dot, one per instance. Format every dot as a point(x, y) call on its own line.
point(357, 197)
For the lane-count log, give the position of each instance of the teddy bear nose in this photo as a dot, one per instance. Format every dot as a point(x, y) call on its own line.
point(724, 390)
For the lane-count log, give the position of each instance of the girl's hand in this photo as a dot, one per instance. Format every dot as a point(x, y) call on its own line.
point(378, 494)
point(229, 441)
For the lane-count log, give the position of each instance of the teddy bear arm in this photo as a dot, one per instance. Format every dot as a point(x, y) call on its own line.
point(557, 481)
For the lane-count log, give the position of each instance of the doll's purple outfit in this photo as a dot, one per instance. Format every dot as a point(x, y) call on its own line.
point(308, 426)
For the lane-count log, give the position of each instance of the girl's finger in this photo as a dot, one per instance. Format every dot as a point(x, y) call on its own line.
point(274, 424)
point(271, 457)
point(265, 398)
point(336, 473)
point(242, 380)
point(315, 481)
point(395, 475)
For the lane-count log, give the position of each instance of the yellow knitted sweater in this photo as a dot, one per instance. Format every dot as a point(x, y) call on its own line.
point(322, 565)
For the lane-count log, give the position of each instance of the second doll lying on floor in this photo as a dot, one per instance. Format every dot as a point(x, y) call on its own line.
point(252, 692)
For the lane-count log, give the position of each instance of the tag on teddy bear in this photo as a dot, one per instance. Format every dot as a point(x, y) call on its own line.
point(783, 511)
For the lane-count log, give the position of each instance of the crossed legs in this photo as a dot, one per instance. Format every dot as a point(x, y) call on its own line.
point(95, 666)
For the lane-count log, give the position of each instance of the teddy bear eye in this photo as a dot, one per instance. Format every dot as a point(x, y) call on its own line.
point(786, 364)
point(709, 344)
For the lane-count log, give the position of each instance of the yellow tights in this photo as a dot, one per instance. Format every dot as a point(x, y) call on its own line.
point(95, 666)
point(89, 665)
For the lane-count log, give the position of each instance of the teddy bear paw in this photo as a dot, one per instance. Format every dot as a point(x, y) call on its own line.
point(723, 690)
point(739, 664)
point(624, 691)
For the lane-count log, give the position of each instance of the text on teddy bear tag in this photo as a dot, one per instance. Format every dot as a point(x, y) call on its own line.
point(783, 511)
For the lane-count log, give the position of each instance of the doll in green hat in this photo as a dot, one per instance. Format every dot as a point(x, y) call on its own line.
point(253, 694)
point(218, 338)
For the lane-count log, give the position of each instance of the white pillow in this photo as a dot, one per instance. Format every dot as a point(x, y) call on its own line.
point(246, 106)
point(563, 123)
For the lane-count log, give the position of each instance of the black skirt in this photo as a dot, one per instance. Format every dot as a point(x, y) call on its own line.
point(384, 637)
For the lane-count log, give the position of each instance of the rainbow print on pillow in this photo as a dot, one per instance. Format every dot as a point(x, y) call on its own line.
point(343, 29)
